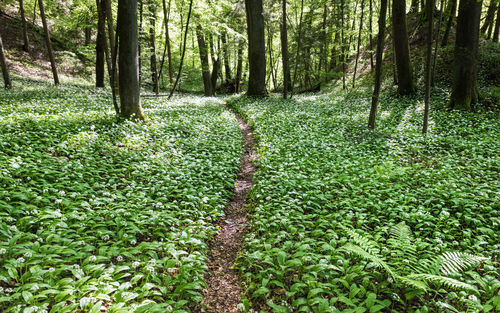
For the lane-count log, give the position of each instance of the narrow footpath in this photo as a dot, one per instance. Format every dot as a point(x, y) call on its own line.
point(223, 293)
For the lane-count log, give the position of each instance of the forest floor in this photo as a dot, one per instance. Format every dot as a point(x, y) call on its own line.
point(223, 293)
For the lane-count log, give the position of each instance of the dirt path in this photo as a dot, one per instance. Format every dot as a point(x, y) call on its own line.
point(223, 293)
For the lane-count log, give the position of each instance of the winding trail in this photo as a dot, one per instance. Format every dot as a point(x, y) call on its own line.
point(223, 293)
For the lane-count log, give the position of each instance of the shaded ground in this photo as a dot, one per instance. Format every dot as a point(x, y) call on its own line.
point(223, 293)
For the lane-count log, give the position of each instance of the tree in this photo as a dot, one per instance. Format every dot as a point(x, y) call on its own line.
point(130, 100)
point(428, 56)
point(378, 65)
point(359, 43)
point(497, 26)
point(153, 63)
point(490, 17)
point(452, 8)
point(3, 64)
point(465, 91)
point(404, 71)
point(100, 43)
point(256, 49)
point(205, 68)
point(284, 50)
point(49, 44)
point(26, 44)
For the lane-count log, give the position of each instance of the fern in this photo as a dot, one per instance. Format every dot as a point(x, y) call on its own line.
point(364, 254)
point(456, 262)
point(443, 280)
point(404, 252)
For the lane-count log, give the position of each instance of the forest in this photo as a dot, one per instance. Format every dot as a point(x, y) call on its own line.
point(249, 156)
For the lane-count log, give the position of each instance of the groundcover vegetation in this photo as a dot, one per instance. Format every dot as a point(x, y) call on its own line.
point(99, 215)
point(352, 220)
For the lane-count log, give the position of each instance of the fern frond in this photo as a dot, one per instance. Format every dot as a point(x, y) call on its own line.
point(447, 281)
point(456, 262)
point(366, 244)
point(402, 232)
point(376, 259)
point(429, 266)
point(404, 252)
point(410, 282)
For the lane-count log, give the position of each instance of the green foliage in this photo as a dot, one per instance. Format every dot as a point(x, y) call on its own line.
point(96, 214)
point(320, 168)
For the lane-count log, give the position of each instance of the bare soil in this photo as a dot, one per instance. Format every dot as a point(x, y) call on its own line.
point(223, 293)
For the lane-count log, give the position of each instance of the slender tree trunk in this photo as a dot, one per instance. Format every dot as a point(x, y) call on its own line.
point(154, 66)
point(205, 68)
point(167, 49)
point(359, 43)
point(3, 64)
point(378, 66)
point(26, 44)
point(239, 66)
point(324, 46)
point(256, 48)
point(371, 32)
point(100, 43)
point(49, 45)
point(299, 47)
point(113, 77)
point(436, 44)
point(284, 50)
point(428, 56)
point(130, 98)
point(414, 6)
point(87, 32)
point(452, 8)
point(465, 91)
point(227, 62)
point(34, 13)
point(139, 44)
point(406, 84)
point(270, 36)
point(497, 26)
point(490, 16)
point(183, 51)
point(342, 43)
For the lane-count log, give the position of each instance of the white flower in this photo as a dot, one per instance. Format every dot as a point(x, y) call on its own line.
point(20, 260)
point(205, 199)
point(135, 264)
point(92, 258)
point(105, 237)
point(2, 251)
point(119, 258)
point(473, 298)
point(58, 201)
point(133, 242)
point(62, 193)
point(35, 287)
point(150, 269)
point(8, 290)
point(28, 254)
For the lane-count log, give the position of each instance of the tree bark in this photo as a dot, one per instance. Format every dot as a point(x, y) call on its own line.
point(256, 49)
point(284, 50)
point(3, 64)
point(490, 16)
point(167, 50)
point(497, 26)
point(239, 66)
point(139, 43)
point(153, 63)
point(465, 91)
point(428, 56)
point(113, 76)
point(452, 8)
point(406, 84)
point(378, 65)
point(205, 68)
point(371, 31)
point(100, 43)
point(342, 42)
point(49, 44)
point(130, 99)
point(359, 43)
point(26, 44)
point(227, 62)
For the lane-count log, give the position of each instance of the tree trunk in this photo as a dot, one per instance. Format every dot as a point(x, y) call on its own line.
point(378, 65)
point(130, 99)
point(100, 44)
point(284, 51)
point(227, 62)
point(49, 44)
point(436, 44)
point(428, 56)
point(452, 8)
point(183, 54)
point(270, 38)
point(256, 48)
point(342, 42)
point(205, 68)
point(497, 26)
point(414, 6)
point(3, 64)
point(359, 43)
point(465, 92)
point(113, 77)
point(401, 48)
point(87, 32)
point(152, 35)
point(26, 44)
point(371, 32)
point(239, 66)
point(167, 49)
point(490, 16)
point(139, 43)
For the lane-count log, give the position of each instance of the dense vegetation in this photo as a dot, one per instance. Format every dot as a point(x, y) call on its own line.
point(373, 125)
point(96, 213)
point(320, 170)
